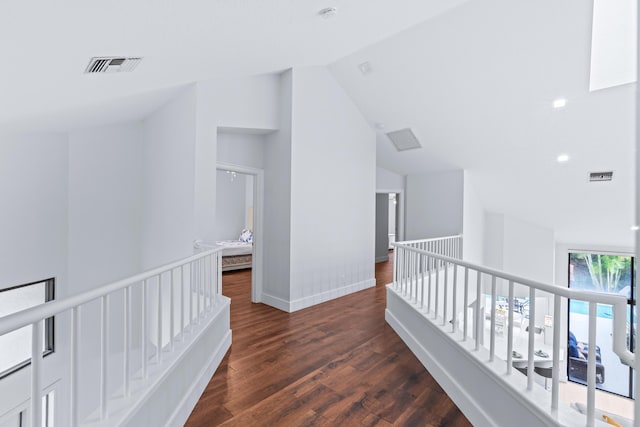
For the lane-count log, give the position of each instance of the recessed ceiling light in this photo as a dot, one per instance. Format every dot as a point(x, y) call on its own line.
point(559, 103)
point(365, 68)
point(635, 227)
point(379, 125)
point(563, 158)
point(328, 12)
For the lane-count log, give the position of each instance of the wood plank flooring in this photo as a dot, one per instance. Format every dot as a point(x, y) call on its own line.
point(334, 364)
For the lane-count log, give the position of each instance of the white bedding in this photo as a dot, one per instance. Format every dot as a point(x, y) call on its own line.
point(235, 247)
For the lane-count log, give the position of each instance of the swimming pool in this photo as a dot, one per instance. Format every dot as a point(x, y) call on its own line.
point(582, 307)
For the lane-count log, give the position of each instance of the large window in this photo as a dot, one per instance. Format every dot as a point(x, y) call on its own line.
point(610, 273)
point(16, 345)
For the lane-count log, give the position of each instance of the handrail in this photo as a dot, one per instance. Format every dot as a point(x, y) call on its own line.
point(618, 302)
point(201, 282)
point(432, 239)
point(43, 311)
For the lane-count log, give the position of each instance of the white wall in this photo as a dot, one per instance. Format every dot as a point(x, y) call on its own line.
point(105, 205)
point(168, 229)
point(473, 221)
point(434, 205)
point(388, 180)
point(231, 205)
point(242, 149)
point(277, 202)
point(333, 173)
point(33, 226)
point(33, 218)
point(519, 247)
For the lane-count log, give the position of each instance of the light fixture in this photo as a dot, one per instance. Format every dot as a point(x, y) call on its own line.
point(365, 68)
point(328, 12)
point(635, 227)
point(559, 103)
point(562, 158)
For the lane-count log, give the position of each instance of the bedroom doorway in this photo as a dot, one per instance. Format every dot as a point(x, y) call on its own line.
point(239, 207)
point(389, 222)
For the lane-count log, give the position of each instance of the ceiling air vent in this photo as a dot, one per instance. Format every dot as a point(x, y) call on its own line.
point(404, 139)
point(600, 176)
point(111, 65)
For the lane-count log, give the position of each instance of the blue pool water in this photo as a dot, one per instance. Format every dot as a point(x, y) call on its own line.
point(582, 307)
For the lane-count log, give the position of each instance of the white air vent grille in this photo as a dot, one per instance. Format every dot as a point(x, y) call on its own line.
point(404, 139)
point(600, 176)
point(111, 65)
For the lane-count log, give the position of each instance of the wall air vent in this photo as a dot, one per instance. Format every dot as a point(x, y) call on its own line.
point(404, 139)
point(111, 65)
point(600, 176)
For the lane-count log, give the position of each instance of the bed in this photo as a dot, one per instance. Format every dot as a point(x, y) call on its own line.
point(237, 254)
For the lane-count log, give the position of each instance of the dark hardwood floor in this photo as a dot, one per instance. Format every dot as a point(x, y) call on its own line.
point(334, 364)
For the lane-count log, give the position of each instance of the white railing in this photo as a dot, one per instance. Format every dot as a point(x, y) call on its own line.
point(191, 287)
point(430, 275)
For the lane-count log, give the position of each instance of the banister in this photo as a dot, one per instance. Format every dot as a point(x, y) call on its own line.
point(618, 302)
point(31, 315)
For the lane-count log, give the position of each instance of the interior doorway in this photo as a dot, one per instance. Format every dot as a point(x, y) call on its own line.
point(239, 213)
point(389, 222)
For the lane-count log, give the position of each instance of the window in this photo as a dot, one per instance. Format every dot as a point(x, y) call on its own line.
point(610, 273)
point(16, 345)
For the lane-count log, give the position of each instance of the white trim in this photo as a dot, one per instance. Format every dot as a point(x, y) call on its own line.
point(191, 398)
point(321, 297)
point(276, 302)
point(258, 224)
point(301, 303)
point(450, 362)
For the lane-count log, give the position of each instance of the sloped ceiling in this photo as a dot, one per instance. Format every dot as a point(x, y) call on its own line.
point(476, 85)
point(45, 46)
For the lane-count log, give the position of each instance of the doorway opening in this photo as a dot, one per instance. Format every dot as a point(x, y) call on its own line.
point(239, 204)
point(389, 222)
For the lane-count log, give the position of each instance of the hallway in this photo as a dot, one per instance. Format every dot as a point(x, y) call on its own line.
point(334, 364)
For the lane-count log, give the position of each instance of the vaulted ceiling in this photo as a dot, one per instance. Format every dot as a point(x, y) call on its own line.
point(474, 79)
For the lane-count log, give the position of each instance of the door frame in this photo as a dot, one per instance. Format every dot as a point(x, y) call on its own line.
point(400, 216)
point(258, 217)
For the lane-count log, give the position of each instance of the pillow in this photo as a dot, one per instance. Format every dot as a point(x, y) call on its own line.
point(246, 236)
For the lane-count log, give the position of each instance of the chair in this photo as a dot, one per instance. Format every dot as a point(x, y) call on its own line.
point(578, 365)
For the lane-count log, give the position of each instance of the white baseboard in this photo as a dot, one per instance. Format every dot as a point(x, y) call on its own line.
point(321, 297)
point(382, 258)
point(185, 407)
point(276, 302)
point(301, 303)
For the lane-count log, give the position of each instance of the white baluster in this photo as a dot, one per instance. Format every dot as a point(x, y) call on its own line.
point(182, 304)
point(429, 259)
point(127, 341)
point(555, 369)
point(479, 315)
point(435, 315)
point(36, 373)
point(104, 354)
point(492, 333)
point(423, 264)
point(455, 297)
point(74, 364)
point(171, 311)
point(532, 331)
point(510, 331)
point(446, 293)
point(145, 328)
point(465, 314)
point(591, 365)
point(159, 331)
